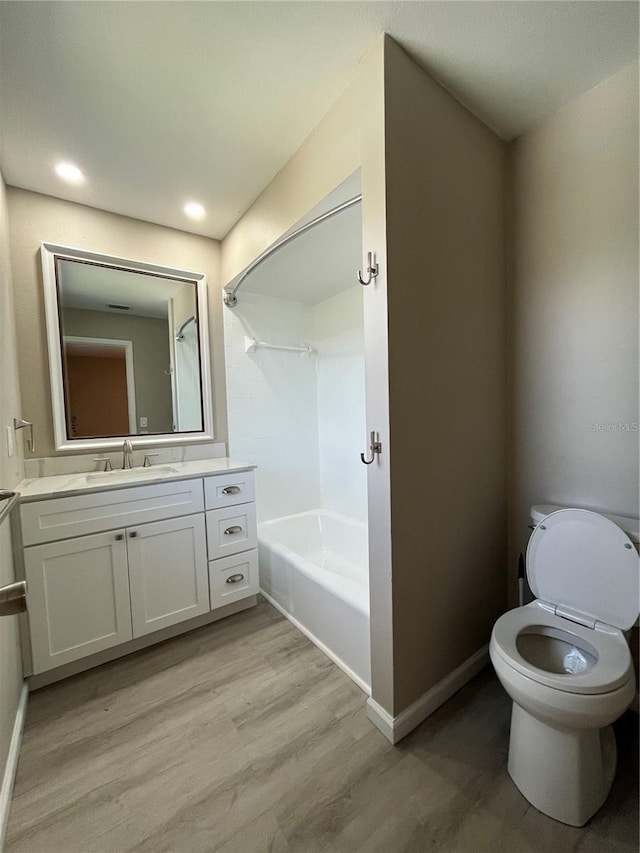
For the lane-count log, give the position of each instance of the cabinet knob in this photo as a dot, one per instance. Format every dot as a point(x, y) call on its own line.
point(133, 534)
point(234, 578)
point(234, 529)
point(119, 537)
point(231, 490)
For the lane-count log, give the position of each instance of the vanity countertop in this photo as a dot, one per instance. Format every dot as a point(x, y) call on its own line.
point(58, 485)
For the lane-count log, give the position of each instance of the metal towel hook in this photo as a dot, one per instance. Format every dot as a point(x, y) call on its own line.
point(372, 269)
point(375, 448)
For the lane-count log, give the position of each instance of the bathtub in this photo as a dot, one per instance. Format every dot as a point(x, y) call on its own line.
point(314, 568)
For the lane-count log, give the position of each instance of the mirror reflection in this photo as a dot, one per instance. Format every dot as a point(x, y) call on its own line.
point(130, 351)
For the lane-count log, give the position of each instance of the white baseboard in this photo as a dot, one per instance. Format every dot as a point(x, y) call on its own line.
point(362, 684)
point(395, 728)
point(11, 766)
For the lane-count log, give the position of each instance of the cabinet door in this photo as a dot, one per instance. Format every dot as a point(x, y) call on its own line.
point(167, 572)
point(78, 598)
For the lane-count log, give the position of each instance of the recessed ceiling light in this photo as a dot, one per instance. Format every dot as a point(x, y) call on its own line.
point(194, 210)
point(69, 172)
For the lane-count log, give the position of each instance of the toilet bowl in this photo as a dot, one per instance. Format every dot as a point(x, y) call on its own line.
point(565, 662)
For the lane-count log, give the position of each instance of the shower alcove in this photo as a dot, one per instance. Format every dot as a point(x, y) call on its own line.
point(294, 351)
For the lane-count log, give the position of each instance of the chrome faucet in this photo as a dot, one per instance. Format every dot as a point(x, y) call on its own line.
point(127, 450)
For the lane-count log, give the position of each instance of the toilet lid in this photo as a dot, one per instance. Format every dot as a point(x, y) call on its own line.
point(582, 561)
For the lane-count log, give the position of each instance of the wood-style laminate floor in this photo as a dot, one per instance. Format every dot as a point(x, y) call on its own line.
point(242, 736)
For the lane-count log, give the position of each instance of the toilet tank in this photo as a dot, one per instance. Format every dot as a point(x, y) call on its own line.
point(631, 526)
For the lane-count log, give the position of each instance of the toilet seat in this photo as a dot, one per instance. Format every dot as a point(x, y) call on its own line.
point(612, 669)
point(585, 565)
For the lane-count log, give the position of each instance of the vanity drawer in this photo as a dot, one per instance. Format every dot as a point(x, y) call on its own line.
point(233, 578)
point(63, 518)
point(231, 530)
point(229, 490)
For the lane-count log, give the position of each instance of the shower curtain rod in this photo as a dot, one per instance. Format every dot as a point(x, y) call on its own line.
point(230, 294)
point(179, 335)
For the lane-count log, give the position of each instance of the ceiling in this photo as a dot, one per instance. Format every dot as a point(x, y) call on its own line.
point(161, 103)
point(92, 287)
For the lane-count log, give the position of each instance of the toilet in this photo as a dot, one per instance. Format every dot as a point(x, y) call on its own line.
point(565, 662)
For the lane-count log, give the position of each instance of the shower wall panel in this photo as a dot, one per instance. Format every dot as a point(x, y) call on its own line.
point(341, 404)
point(272, 405)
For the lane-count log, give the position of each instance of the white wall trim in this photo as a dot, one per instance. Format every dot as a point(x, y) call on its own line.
point(395, 728)
point(381, 719)
point(6, 791)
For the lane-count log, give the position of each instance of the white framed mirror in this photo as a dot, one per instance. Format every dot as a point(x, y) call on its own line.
point(128, 351)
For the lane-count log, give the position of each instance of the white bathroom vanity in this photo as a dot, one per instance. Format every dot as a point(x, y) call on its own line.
point(119, 560)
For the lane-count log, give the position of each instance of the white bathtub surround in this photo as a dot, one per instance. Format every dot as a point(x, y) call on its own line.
point(314, 568)
point(342, 429)
point(300, 419)
point(79, 463)
point(271, 402)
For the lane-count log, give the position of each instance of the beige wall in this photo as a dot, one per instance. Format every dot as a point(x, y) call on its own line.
point(447, 377)
point(183, 305)
point(150, 338)
point(11, 472)
point(327, 157)
point(11, 468)
point(574, 311)
point(34, 218)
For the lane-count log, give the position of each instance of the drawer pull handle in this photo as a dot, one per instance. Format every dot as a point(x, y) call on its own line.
point(133, 534)
point(230, 531)
point(234, 578)
point(119, 537)
point(231, 490)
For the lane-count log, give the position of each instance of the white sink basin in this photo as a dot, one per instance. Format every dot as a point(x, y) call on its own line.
point(131, 474)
